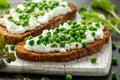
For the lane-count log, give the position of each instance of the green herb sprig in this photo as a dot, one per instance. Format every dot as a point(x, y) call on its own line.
point(94, 16)
point(4, 54)
point(107, 6)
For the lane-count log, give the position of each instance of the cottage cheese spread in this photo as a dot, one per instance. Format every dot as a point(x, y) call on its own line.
point(70, 35)
point(29, 15)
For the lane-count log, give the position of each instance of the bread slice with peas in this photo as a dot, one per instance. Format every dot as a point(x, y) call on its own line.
point(69, 41)
point(31, 18)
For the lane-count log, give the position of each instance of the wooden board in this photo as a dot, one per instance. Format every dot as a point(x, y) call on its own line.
point(81, 66)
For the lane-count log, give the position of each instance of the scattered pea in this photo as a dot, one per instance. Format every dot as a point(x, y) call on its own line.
point(114, 75)
point(68, 77)
point(114, 45)
point(114, 60)
point(93, 59)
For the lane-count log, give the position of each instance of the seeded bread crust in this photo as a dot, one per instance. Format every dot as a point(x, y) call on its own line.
point(14, 39)
point(92, 48)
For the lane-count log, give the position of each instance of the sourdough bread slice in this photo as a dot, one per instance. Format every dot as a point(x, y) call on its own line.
point(14, 39)
point(92, 48)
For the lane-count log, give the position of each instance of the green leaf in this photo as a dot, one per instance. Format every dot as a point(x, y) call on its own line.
point(2, 42)
point(4, 4)
point(11, 57)
point(2, 52)
point(94, 16)
point(105, 5)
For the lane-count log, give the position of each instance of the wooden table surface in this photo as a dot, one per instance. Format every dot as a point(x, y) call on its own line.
point(116, 53)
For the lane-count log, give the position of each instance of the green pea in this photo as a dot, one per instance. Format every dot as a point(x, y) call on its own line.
point(68, 42)
point(62, 29)
point(84, 44)
point(90, 28)
point(55, 32)
point(114, 45)
point(21, 17)
point(63, 36)
point(23, 24)
point(10, 17)
point(83, 23)
point(46, 7)
point(93, 59)
point(82, 32)
point(44, 42)
point(84, 18)
point(68, 77)
point(12, 47)
point(67, 38)
point(58, 40)
point(74, 23)
point(77, 32)
point(56, 3)
point(17, 23)
point(6, 48)
point(77, 25)
point(84, 28)
point(40, 7)
point(51, 39)
point(97, 24)
point(53, 45)
point(29, 10)
point(73, 26)
point(62, 5)
point(33, 5)
point(35, 15)
point(90, 23)
point(57, 29)
point(44, 4)
point(69, 22)
point(76, 37)
point(71, 33)
point(26, 4)
point(115, 60)
point(93, 34)
point(94, 29)
point(40, 36)
point(83, 36)
point(38, 42)
point(79, 40)
point(72, 40)
point(31, 42)
point(62, 44)
point(18, 10)
point(51, 7)
point(114, 75)
point(26, 22)
point(49, 34)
